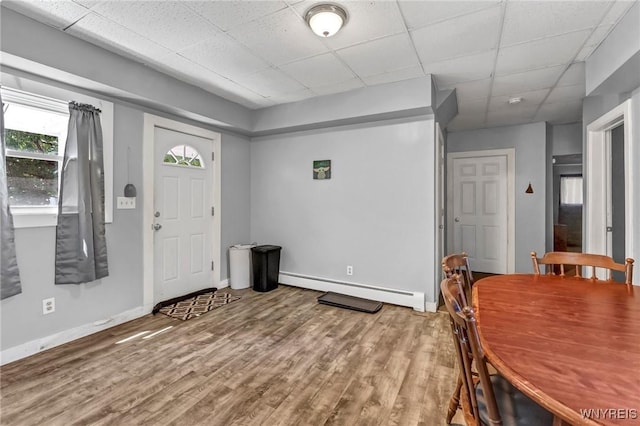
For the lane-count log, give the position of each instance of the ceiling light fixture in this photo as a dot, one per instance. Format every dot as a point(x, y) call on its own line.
point(326, 19)
point(514, 101)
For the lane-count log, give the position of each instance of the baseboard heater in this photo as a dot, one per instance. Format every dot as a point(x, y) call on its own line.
point(350, 302)
point(414, 300)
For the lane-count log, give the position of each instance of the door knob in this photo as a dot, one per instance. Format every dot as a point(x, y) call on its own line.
point(457, 219)
point(156, 226)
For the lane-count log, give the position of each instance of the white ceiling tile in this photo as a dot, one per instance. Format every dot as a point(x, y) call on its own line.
point(466, 122)
point(269, 83)
point(58, 14)
point(567, 93)
point(343, 86)
point(168, 23)
point(106, 33)
point(617, 11)
point(392, 76)
point(224, 56)
point(530, 20)
point(468, 34)
point(189, 72)
point(422, 13)
point(560, 113)
point(470, 90)
point(540, 53)
point(367, 20)
point(507, 117)
point(594, 40)
point(293, 96)
point(279, 38)
point(530, 100)
point(321, 70)
point(365, 58)
point(228, 14)
point(575, 74)
point(526, 81)
point(464, 68)
point(88, 3)
point(477, 106)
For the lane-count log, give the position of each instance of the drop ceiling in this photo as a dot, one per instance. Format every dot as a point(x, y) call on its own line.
point(261, 53)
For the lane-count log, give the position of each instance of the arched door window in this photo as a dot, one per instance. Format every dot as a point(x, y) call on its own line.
point(183, 155)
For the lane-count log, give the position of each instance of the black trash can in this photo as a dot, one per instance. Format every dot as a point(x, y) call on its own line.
point(266, 267)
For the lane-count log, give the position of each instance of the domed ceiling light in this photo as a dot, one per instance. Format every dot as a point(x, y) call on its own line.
point(326, 19)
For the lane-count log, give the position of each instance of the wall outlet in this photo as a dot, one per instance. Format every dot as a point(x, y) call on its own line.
point(48, 305)
point(126, 202)
point(349, 270)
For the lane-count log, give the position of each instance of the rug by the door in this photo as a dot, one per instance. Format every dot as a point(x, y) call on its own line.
point(198, 305)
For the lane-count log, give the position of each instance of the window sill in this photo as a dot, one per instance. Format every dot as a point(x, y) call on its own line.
point(34, 217)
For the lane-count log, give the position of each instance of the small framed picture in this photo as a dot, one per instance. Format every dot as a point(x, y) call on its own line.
point(322, 169)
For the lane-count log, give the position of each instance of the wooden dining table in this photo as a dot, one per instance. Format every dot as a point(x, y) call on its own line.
point(570, 344)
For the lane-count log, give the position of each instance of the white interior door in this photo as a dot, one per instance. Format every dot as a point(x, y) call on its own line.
point(183, 213)
point(480, 211)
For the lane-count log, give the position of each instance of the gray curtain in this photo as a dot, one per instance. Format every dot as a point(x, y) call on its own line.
point(81, 246)
point(9, 274)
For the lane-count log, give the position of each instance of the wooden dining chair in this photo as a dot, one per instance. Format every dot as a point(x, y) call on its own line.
point(557, 263)
point(485, 399)
point(458, 264)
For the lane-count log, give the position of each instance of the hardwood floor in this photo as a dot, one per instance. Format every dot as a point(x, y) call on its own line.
point(276, 358)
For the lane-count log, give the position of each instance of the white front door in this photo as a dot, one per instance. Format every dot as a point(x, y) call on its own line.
point(183, 213)
point(480, 211)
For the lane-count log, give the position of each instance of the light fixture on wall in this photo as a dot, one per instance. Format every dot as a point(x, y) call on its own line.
point(326, 19)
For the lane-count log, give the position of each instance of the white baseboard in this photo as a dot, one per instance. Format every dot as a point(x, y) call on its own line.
point(224, 283)
point(33, 347)
point(413, 300)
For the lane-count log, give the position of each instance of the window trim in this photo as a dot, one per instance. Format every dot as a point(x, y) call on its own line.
point(55, 99)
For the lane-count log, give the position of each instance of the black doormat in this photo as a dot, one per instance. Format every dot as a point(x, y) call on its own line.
point(175, 300)
point(350, 302)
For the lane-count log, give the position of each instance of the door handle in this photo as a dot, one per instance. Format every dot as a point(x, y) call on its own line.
point(156, 226)
point(457, 219)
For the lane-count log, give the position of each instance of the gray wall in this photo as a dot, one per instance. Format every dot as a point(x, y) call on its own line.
point(529, 141)
point(375, 213)
point(236, 196)
point(566, 139)
point(78, 305)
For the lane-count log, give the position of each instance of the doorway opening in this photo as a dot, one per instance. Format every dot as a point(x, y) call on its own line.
point(609, 200)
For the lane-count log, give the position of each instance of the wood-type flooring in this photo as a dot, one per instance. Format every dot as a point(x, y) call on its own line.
point(276, 358)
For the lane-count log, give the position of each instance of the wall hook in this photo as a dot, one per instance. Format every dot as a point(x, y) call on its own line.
point(529, 189)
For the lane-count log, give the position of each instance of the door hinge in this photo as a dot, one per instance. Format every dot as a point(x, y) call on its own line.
point(213, 211)
point(213, 156)
point(212, 265)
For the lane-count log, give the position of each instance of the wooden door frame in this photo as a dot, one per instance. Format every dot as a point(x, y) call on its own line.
point(597, 181)
point(510, 153)
point(148, 184)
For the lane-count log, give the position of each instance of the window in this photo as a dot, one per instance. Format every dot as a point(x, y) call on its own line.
point(571, 190)
point(183, 155)
point(36, 120)
point(34, 138)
